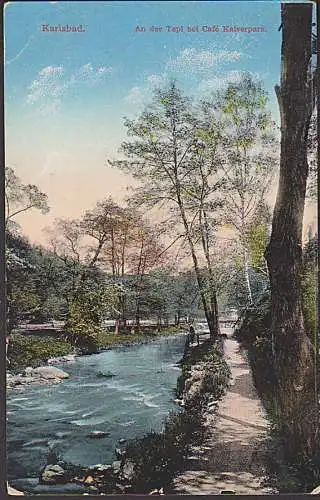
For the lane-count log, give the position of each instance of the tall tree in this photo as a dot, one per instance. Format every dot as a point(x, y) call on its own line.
point(204, 200)
point(249, 146)
point(293, 356)
point(161, 154)
point(78, 244)
point(146, 253)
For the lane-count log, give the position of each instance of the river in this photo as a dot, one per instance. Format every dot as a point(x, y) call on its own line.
point(133, 402)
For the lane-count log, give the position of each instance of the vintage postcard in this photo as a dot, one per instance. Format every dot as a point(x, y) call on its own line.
point(161, 247)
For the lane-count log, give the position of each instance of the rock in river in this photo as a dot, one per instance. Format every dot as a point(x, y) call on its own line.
point(102, 468)
point(105, 375)
point(53, 474)
point(49, 372)
point(99, 434)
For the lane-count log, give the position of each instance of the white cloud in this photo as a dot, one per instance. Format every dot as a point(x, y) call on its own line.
point(138, 95)
point(216, 82)
point(220, 80)
point(51, 70)
point(48, 84)
point(135, 96)
point(90, 74)
point(193, 60)
point(189, 61)
point(52, 83)
point(156, 80)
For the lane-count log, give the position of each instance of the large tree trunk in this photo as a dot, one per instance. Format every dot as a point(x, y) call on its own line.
point(293, 356)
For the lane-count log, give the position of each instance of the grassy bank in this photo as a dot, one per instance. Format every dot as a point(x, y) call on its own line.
point(107, 340)
point(158, 457)
point(34, 350)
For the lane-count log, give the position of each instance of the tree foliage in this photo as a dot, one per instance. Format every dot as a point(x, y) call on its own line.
point(21, 197)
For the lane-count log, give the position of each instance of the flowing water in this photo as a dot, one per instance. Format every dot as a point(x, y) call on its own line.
point(133, 402)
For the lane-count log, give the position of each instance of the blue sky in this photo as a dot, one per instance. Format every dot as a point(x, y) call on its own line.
point(66, 93)
point(125, 58)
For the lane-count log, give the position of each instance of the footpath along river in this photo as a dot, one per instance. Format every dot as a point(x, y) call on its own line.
point(129, 404)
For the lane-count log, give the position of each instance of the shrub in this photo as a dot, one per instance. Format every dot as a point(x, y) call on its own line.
point(309, 299)
point(32, 350)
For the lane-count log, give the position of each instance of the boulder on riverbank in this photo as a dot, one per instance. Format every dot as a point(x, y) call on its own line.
point(49, 372)
point(20, 381)
point(40, 375)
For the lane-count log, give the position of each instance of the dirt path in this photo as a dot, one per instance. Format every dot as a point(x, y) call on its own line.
point(232, 455)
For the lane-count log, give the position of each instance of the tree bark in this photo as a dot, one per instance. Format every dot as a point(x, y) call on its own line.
point(246, 275)
point(210, 315)
point(214, 315)
point(292, 350)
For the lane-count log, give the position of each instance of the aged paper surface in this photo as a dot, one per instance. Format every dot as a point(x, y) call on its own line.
point(145, 304)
